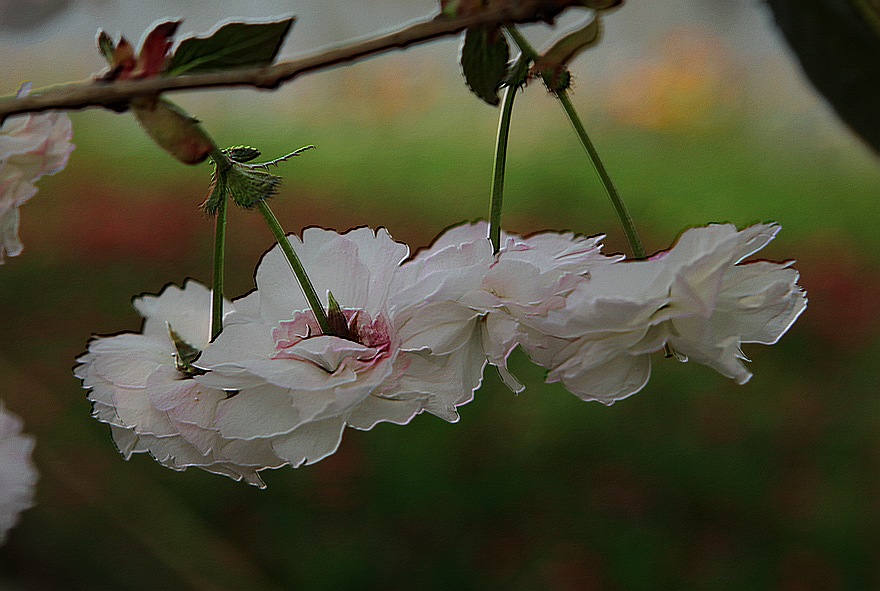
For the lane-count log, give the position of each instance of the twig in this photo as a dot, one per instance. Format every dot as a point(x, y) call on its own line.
point(92, 93)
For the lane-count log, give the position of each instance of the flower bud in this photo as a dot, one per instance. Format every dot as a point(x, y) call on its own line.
point(173, 130)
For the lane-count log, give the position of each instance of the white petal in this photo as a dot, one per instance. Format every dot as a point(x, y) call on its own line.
point(607, 382)
point(374, 410)
point(309, 443)
point(440, 327)
point(265, 411)
point(187, 310)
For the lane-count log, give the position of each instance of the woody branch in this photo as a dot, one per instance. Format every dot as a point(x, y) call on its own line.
point(96, 93)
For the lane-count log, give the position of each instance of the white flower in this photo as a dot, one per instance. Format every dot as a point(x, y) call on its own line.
point(506, 296)
point(299, 388)
point(695, 298)
point(31, 146)
point(142, 386)
point(17, 472)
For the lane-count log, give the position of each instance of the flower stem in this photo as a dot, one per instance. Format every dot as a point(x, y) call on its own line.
point(497, 191)
point(620, 209)
point(518, 75)
point(219, 270)
point(297, 268)
point(623, 215)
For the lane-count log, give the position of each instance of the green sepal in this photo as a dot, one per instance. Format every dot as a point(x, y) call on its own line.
point(242, 153)
point(105, 45)
point(247, 186)
point(339, 324)
point(185, 355)
point(233, 45)
point(484, 56)
point(217, 191)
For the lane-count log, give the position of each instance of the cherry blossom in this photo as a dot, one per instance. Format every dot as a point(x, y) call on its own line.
point(462, 285)
point(142, 386)
point(17, 472)
point(698, 299)
point(298, 388)
point(31, 146)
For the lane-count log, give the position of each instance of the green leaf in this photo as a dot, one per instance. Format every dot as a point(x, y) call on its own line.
point(242, 153)
point(484, 56)
point(233, 45)
point(105, 46)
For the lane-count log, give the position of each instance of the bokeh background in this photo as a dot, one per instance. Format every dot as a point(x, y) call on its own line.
point(701, 114)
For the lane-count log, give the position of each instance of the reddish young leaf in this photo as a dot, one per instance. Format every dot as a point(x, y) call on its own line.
point(123, 61)
point(154, 50)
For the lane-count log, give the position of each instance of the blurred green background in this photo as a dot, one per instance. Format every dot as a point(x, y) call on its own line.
point(695, 483)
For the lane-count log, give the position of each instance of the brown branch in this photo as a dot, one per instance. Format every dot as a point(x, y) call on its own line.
point(94, 93)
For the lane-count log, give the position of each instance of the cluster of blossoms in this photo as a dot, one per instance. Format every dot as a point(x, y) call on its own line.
point(414, 334)
point(17, 473)
point(31, 147)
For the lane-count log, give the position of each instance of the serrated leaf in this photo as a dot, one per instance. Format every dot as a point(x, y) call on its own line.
point(242, 153)
point(484, 56)
point(248, 186)
point(234, 45)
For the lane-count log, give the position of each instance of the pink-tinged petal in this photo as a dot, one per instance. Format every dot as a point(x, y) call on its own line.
point(31, 146)
point(327, 352)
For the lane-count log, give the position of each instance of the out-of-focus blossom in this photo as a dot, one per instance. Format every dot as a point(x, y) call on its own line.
point(142, 386)
point(298, 388)
point(17, 472)
point(697, 298)
point(31, 146)
point(507, 297)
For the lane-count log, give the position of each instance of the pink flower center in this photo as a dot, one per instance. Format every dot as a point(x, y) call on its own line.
point(366, 341)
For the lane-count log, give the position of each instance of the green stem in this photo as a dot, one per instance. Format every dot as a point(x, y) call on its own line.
point(518, 75)
point(497, 190)
point(629, 227)
point(219, 270)
point(620, 209)
point(298, 270)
